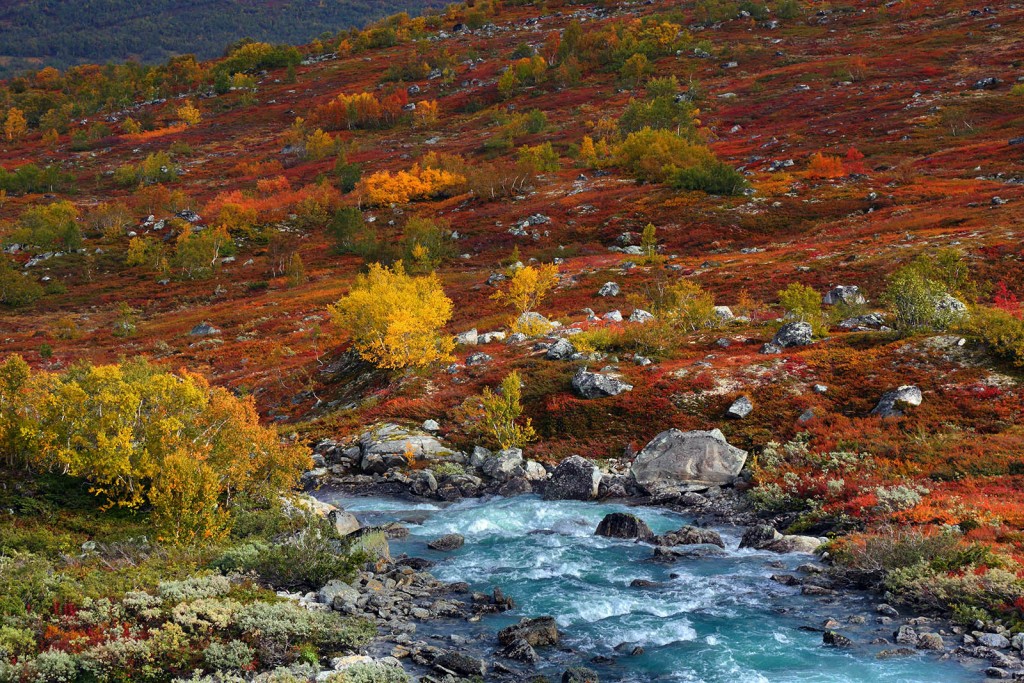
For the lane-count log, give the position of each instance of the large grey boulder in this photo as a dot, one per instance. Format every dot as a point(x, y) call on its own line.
point(390, 439)
point(892, 402)
point(844, 294)
point(338, 591)
point(608, 289)
point(624, 525)
point(765, 537)
point(950, 309)
point(868, 321)
point(468, 338)
point(504, 465)
point(575, 478)
point(460, 664)
point(697, 457)
point(596, 385)
point(560, 350)
point(203, 329)
point(690, 535)
point(793, 334)
point(639, 315)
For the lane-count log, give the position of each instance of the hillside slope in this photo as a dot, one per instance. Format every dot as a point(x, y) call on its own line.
point(869, 136)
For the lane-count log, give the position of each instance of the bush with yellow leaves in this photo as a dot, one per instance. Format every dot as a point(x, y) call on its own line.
point(402, 187)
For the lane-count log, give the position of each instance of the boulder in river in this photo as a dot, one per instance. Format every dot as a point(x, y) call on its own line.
point(624, 525)
point(538, 632)
point(504, 465)
point(575, 478)
point(673, 458)
point(520, 651)
point(460, 664)
point(690, 535)
point(447, 543)
point(765, 537)
point(580, 674)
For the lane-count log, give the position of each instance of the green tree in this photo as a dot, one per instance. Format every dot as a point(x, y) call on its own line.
point(501, 414)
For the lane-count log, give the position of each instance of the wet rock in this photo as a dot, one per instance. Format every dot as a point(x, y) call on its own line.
point(423, 483)
point(905, 635)
point(593, 385)
point(675, 457)
point(740, 408)
point(460, 664)
point(690, 535)
point(833, 639)
point(886, 610)
point(892, 653)
point(643, 583)
point(447, 543)
point(893, 402)
point(575, 478)
point(624, 525)
point(580, 674)
point(765, 537)
point(849, 295)
point(793, 334)
point(516, 486)
point(520, 651)
point(537, 632)
point(993, 640)
point(930, 641)
point(785, 579)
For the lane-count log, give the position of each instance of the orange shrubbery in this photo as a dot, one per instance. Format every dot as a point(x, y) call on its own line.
point(825, 166)
point(360, 110)
point(385, 187)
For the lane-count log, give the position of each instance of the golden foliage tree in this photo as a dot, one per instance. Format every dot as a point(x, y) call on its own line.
point(502, 410)
point(140, 435)
point(525, 290)
point(395, 319)
point(402, 187)
point(15, 125)
point(189, 114)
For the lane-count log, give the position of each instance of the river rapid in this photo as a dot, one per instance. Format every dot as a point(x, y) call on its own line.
point(711, 618)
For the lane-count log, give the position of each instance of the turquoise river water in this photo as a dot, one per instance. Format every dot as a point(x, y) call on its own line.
point(710, 619)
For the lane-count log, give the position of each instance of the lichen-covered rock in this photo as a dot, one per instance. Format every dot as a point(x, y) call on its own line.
point(849, 295)
point(793, 334)
point(892, 402)
point(596, 385)
point(690, 535)
point(560, 350)
point(740, 408)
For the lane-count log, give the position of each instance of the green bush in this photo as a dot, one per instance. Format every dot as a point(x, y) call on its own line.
point(375, 672)
point(233, 655)
point(711, 176)
point(1002, 331)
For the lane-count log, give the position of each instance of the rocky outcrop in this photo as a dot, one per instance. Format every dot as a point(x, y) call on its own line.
point(575, 478)
point(893, 403)
point(385, 447)
point(675, 458)
point(597, 385)
point(624, 525)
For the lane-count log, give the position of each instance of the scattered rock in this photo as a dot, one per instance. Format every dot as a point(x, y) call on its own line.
point(460, 664)
point(560, 350)
point(204, 329)
point(833, 639)
point(993, 640)
point(609, 289)
point(344, 523)
point(930, 641)
point(537, 632)
point(469, 338)
point(580, 674)
point(639, 315)
point(597, 385)
point(724, 313)
point(740, 408)
point(892, 402)
point(690, 535)
point(793, 334)
point(849, 295)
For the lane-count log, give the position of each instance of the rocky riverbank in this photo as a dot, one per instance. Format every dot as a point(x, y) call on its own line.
point(402, 592)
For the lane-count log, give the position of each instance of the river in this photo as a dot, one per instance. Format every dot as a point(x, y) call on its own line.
point(714, 618)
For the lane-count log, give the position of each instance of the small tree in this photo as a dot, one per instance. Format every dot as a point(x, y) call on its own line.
point(649, 243)
point(801, 302)
point(295, 271)
point(686, 306)
point(634, 69)
point(189, 114)
point(396, 319)
point(526, 289)
point(916, 302)
point(501, 410)
point(15, 126)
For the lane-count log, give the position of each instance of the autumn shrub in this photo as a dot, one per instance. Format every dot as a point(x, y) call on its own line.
point(197, 253)
point(1001, 330)
point(685, 305)
point(426, 243)
point(49, 227)
point(402, 187)
point(502, 412)
point(656, 155)
point(802, 303)
point(920, 303)
point(143, 436)
point(711, 176)
point(395, 319)
point(16, 288)
point(661, 109)
point(825, 166)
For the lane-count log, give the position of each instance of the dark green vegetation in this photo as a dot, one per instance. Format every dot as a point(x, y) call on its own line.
point(63, 33)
